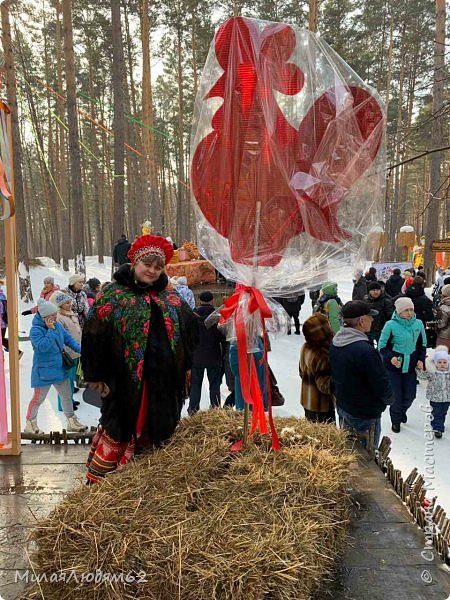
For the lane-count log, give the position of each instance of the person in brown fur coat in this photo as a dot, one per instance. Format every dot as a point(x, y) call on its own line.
point(314, 367)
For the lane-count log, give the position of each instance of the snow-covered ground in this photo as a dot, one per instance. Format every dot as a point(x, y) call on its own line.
point(408, 447)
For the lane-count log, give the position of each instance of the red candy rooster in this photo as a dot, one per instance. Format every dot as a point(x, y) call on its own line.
point(254, 163)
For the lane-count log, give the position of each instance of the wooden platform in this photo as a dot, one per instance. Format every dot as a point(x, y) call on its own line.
point(382, 560)
point(30, 485)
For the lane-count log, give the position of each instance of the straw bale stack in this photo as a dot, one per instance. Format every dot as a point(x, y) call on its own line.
point(194, 522)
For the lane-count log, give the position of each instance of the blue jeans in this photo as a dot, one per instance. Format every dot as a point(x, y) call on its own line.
point(348, 421)
point(215, 379)
point(439, 412)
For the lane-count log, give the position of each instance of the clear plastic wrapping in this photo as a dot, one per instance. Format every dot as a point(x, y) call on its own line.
point(287, 158)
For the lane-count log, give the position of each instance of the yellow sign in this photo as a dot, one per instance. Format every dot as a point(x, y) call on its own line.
point(441, 245)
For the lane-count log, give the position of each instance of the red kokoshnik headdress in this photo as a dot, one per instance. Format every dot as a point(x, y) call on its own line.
point(145, 246)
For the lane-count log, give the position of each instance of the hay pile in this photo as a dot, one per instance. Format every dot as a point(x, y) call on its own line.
point(203, 524)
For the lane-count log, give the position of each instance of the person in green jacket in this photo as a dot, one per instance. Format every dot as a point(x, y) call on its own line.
point(330, 305)
point(403, 345)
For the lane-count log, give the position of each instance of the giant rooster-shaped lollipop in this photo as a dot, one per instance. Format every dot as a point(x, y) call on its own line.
point(284, 131)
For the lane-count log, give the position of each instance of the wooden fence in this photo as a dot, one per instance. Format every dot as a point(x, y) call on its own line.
point(412, 491)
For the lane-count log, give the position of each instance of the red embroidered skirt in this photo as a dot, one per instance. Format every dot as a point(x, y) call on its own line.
point(106, 454)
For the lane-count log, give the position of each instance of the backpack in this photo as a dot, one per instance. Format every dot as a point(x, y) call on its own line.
point(322, 308)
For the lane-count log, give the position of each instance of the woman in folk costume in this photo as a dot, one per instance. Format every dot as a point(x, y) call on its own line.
point(136, 349)
point(314, 368)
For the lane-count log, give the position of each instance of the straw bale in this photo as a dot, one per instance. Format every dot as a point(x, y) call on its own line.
point(199, 523)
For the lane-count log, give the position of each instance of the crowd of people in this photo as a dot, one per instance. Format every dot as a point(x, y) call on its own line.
point(376, 355)
point(143, 342)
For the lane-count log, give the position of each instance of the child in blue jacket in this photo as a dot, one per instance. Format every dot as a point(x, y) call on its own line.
point(403, 345)
point(48, 338)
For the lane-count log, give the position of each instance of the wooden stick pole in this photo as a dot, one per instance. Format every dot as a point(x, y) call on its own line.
point(13, 447)
point(255, 265)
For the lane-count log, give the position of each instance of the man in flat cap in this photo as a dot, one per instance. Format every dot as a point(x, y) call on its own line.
point(362, 387)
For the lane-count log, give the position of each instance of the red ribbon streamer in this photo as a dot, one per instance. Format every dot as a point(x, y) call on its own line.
point(251, 389)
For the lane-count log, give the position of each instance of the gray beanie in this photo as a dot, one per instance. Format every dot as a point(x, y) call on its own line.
point(46, 308)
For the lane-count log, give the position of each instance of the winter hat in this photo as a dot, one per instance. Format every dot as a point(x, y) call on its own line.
point(206, 297)
point(182, 280)
point(59, 298)
point(93, 282)
point(445, 291)
point(402, 304)
point(317, 331)
point(49, 279)
point(441, 355)
point(373, 285)
point(73, 279)
point(148, 246)
point(330, 288)
point(46, 308)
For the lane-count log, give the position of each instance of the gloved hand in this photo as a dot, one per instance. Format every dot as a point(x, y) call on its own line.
point(26, 312)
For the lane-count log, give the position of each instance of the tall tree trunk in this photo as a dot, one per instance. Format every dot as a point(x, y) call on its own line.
point(147, 117)
point(51, 161)
point(447, 202)
point(26, 294)
point(395, 223)
point(182, 213)
point(48, 189)
point(405, 209)
point(133, 176)
point(312, 25)
point(61, 173)
point(76, 192)
point(194, 53)
point(96, 177)
point(118, 122)
point(437, 140)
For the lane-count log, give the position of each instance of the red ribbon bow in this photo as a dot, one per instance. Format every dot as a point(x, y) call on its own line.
point(251, 389)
